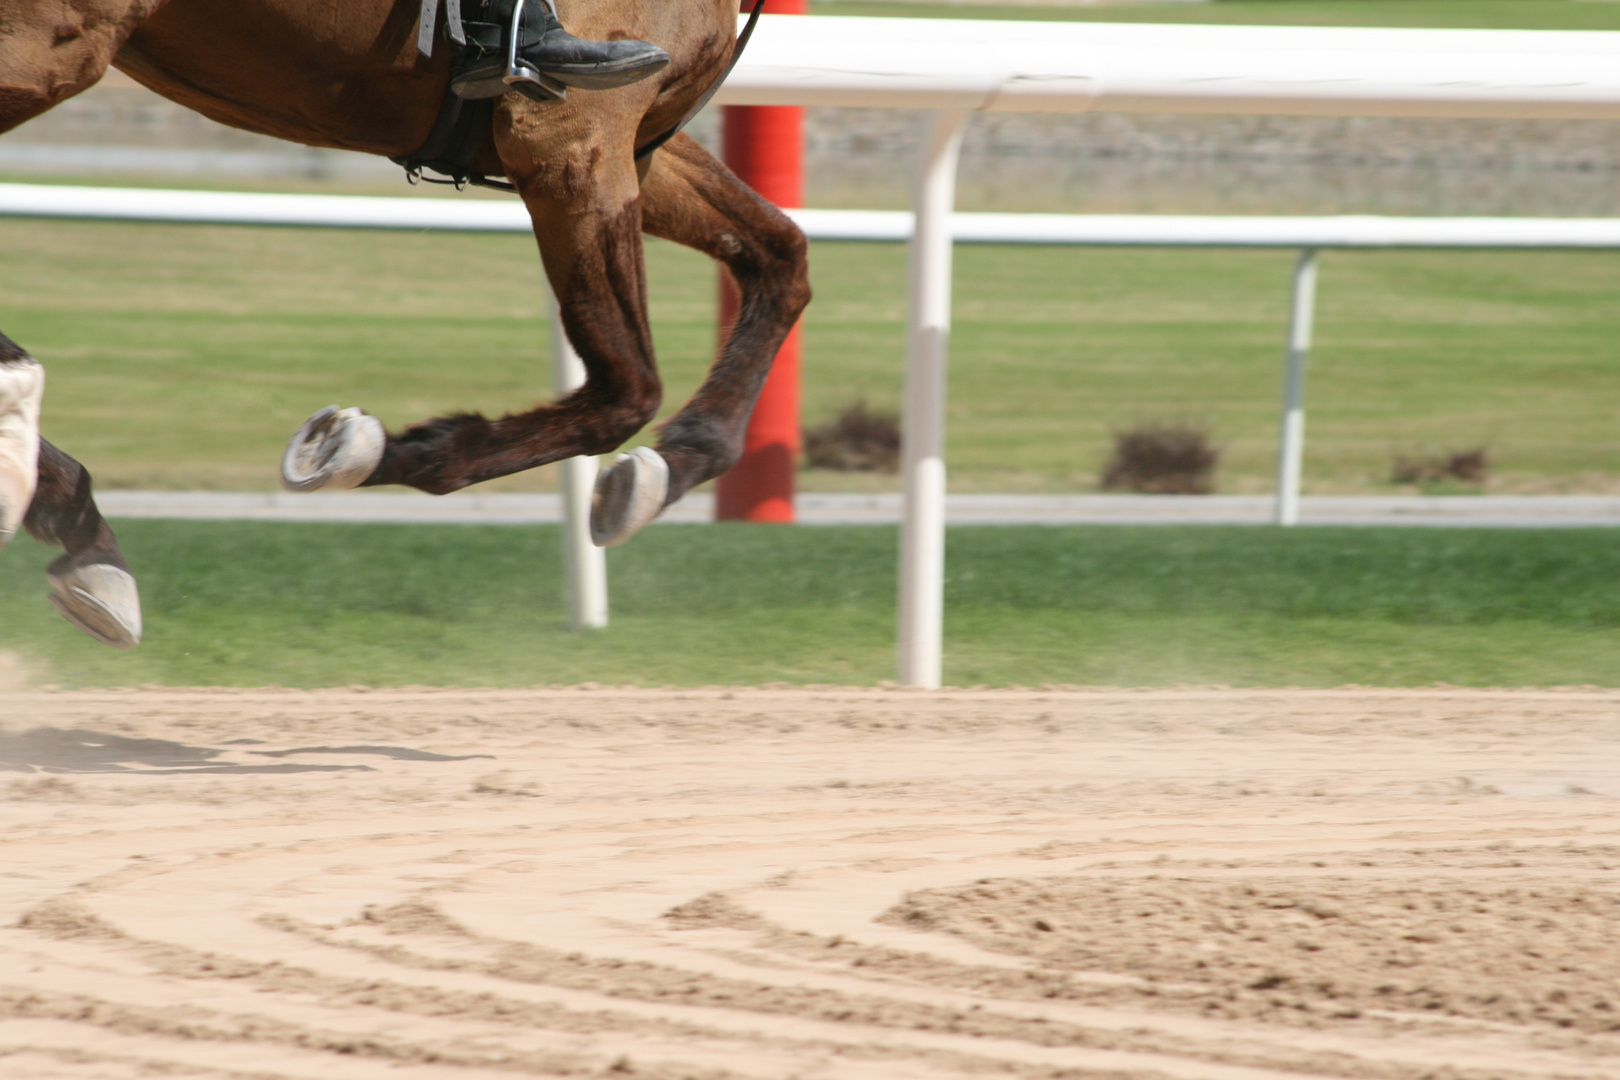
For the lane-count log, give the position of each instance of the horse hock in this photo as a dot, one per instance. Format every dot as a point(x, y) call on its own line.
point(22, 387)
point(336, 448)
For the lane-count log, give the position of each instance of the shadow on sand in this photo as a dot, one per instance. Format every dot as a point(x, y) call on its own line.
point(77, 750)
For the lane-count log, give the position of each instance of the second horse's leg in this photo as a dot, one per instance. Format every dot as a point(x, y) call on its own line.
point(48, 493)
point(91, 584)
point(22, 387)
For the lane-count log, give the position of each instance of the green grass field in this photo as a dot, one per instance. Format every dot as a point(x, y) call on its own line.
point(305, 605)
point(183, 357)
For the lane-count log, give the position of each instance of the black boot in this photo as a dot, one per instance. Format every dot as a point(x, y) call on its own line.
point(547, 58)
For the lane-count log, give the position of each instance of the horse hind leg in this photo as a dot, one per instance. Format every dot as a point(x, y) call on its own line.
point(91, 584)
point(690, 198)
point(22, 388)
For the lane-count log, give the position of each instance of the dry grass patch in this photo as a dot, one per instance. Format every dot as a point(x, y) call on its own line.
point(1162, 458)
point(859, 440)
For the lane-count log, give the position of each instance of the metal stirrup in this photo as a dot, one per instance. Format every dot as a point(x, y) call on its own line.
point(517, 72)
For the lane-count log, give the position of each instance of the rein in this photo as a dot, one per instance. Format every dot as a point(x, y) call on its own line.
point(460, 127)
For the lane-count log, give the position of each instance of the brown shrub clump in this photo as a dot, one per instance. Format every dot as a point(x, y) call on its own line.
point(1159, 458)
point(1469, 466)
point(860, 440)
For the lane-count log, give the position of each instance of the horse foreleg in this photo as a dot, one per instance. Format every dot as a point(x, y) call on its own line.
point(588, 225)
point(91, 584)
point(692, 199)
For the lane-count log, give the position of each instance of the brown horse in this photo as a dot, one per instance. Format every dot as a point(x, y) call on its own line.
point(348, 75)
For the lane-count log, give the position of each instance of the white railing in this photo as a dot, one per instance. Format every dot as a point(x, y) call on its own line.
point(1071, 67)
point(957, 67)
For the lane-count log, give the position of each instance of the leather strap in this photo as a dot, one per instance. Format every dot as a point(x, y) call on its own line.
point(456, 136)
point(427, 23)
point(452, 14)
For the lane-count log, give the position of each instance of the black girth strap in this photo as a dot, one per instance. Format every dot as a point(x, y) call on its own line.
point(461, 126)
point(456, 136)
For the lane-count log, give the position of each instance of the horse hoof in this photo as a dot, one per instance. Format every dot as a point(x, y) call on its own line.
point(335, 448)
point(628, 495)
point(102, 601)
point(22, 386)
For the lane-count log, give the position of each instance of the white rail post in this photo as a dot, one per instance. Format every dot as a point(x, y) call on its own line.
point(922, 531)
point(584, 564)
point(1291, 441)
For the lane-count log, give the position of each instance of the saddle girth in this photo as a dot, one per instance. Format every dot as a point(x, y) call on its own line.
point(452, 144)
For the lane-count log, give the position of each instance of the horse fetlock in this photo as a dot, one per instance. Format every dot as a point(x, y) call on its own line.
point(101, 600)
point(337, 448)
point(22, 388)
point(629, 494)
point(697, 452)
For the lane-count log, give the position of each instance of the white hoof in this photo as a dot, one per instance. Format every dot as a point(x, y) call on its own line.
point(335, 448)
point(102, 601)
point(628, 495)
point(22, 387)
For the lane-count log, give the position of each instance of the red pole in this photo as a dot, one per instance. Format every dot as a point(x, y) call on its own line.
point(764, 146)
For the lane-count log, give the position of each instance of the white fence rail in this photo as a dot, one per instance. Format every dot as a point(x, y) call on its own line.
point(893, 226)
point(956, 67)
point(1070, 67)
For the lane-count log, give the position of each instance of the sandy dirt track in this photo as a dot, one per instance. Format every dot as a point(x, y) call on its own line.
point(1197, 884)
